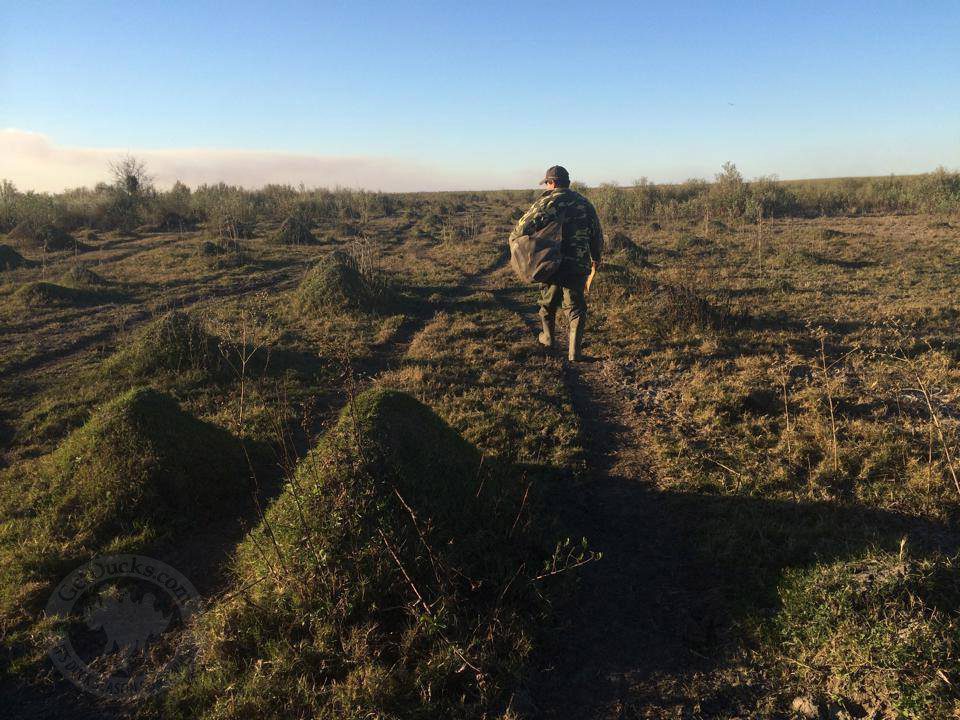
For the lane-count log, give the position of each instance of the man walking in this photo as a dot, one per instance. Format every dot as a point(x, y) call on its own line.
point(581, 246)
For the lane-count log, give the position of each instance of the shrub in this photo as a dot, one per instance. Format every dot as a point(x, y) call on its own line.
point(171, 222)
point(231, 212)
point(728, 194)
point(172, 211)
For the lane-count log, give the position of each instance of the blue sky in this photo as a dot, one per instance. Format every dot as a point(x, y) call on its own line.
point(485, 94)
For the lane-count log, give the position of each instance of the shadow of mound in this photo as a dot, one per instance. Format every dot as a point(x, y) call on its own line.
point(10, 259)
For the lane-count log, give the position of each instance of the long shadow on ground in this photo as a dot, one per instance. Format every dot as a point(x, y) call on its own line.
point(679, 572)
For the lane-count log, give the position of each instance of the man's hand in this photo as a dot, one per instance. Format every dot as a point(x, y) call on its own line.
point(595, 264)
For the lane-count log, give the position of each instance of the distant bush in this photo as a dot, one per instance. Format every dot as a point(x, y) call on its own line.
point(233, 211)
point(732, 197)
point(230, 213)
point(172, 211)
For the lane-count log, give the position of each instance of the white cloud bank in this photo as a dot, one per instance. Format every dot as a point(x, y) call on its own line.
point(33, 162)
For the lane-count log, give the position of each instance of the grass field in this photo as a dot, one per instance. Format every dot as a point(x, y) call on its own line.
point(763, 450)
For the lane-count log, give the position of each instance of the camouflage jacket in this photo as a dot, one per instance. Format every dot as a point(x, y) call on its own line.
point(582, 236)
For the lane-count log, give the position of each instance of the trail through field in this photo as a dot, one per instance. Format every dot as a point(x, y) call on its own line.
point(617, 644)
point(616, 631)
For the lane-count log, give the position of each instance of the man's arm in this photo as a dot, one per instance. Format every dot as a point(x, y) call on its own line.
point(596, 237)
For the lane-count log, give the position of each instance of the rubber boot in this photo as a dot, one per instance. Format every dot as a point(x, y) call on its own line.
point(545, 338)
point(576, 339)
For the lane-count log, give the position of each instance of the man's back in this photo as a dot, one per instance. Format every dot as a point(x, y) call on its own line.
point(582, 245)
point(582, 236)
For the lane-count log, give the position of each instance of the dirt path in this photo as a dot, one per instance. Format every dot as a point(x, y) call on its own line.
point(618, 630)
point(618, 648)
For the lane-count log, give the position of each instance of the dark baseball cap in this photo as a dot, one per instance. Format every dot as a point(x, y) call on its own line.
point(557, 173)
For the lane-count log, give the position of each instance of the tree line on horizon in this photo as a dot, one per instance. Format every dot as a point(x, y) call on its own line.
point(129, 200)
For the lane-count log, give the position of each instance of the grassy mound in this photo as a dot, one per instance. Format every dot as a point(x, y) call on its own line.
point(139, 468)
point(140, 471)
point(10, 259)
point(45, 237)
point(335, 282)
point(883, 630)
point(824, 234)
point(294, 231)
point(209, 248)
point(219, 247)
point(379, 584)
point(667, 307)
point(620, 241)
point(173, 343)
point(45, 294)
point(691, 242)
point(82, 277)
point(679, 307)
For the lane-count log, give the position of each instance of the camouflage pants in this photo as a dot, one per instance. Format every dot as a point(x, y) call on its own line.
point(571, 299)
